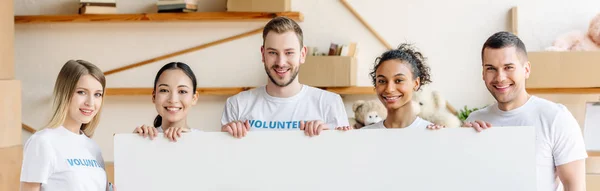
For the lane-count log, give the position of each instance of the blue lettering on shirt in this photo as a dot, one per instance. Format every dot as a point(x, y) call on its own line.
point(274, 124)
point(84, 162)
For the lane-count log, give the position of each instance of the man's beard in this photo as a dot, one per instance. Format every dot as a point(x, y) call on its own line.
point(294, 75)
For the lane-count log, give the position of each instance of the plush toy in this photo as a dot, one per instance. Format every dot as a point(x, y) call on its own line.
point(367, 112)
point(431, 106)
point(578, 40)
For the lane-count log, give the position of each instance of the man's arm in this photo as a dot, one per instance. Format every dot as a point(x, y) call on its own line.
point(337, 116)
point(230, 112)
point(569, 151)
point(230, 121)
point(572, 175)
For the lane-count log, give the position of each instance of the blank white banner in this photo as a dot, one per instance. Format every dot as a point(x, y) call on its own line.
point(591, 127)
point(498, 159)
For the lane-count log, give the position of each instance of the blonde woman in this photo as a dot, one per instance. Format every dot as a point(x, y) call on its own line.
point(63, 156)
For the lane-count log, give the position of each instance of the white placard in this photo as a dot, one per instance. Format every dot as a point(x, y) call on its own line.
point(498, 159)
point(591, 127)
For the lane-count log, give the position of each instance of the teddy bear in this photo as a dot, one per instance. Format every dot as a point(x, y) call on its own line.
point(367, 112)
point(578, 40)
point(431, 106)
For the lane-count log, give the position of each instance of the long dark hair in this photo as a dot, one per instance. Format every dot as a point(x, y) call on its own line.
point(172, 66)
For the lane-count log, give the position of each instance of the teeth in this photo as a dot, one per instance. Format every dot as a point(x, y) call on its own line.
point(281, 70)
point(391, 98)
point(86, 111)
point(500, 87)
point(173, 108)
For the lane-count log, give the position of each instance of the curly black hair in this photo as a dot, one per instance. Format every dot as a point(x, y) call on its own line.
point(405, 52)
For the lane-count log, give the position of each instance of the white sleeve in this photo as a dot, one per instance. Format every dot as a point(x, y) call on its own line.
point(567, 139)
point(336, 113)
point(38, 160)
point(229, 112)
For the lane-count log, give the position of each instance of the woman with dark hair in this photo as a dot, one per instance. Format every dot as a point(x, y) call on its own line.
point(397, 74)
point(173, 95)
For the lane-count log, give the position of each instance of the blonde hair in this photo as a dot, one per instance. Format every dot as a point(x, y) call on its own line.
point(283, 24)
point(64, 89)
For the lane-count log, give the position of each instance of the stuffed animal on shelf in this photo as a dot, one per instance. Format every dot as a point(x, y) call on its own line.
point(431, 106)
point(578, 40)
point(367, 112)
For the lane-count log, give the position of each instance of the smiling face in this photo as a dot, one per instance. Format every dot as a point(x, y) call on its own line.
point(395, 83)
point(174, 95)
point(505, 73)
point(86, 100)
point(282, 55)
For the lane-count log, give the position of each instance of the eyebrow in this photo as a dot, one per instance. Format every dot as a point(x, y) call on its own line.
point(180, 86)
point(398, 74)
point(507, 64)
point(87, 89)
point(287, 49)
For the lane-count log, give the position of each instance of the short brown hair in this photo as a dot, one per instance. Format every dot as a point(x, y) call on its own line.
point(504, 39)
point(283, 24)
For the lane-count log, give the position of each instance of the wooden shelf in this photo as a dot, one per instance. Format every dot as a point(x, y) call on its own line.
point(234, 90)
point(563, 90)
point(157, 17)
point(368, 90)
point(28, 128)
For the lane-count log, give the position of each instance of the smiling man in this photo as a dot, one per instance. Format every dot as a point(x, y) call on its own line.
point(560, 150)
point(283, 103)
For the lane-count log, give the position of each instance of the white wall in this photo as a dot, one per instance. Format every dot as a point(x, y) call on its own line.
point(449, 33)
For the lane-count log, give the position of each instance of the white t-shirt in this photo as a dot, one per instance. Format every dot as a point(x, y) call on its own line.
point(265, 112)
point(160, 130)
point(63, 161)
point(418, 123)
point(558, 137)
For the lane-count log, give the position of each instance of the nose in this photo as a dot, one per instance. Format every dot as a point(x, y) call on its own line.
point(89, 101)
point(501, 76)
point(281, 60)
point(173, 96)
point(390, 87)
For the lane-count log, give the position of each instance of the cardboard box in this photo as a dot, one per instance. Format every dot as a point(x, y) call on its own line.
point(578, 69)
point(259, 5)
point(10, 167)
point(592, 165)
point(328, 71)
point(7, 37)
point(10, 113)
point(593, 182)
point(576, 103)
